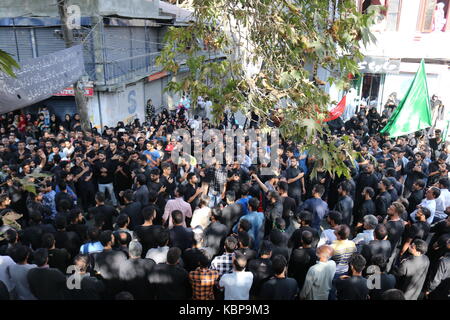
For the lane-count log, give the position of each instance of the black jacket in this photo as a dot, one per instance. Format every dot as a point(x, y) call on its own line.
point(133, 210)
point(382, 203)
point(414, 200)
point(345, 207)
point(169, 282)
point(104, 213)
point(47, 283)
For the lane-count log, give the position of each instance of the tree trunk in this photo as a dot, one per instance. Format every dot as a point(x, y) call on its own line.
point(80, 99)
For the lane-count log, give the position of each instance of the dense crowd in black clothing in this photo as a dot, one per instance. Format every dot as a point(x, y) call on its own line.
point(109, 215)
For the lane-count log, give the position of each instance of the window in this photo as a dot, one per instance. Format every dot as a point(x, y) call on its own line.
point(434, 15)
point(389, 17)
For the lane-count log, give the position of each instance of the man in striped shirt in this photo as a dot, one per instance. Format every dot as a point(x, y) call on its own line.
point(343, 249)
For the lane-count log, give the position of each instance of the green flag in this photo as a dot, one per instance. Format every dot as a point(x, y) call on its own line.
point(413, 113)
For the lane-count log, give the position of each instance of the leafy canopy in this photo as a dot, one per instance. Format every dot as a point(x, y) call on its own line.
point(273, 51)
point(7, 64)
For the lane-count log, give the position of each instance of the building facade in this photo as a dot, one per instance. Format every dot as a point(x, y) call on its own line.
point(407, 31)
point(121, 40)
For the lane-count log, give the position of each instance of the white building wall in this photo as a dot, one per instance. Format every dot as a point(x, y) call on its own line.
point(154, 90)
point(112, 107)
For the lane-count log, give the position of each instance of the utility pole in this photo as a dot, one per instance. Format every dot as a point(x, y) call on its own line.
point(80, 99)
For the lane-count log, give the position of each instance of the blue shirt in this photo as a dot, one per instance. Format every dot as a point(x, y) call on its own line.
point(244, 204)
point(153, 154)
point(69, 191)
point(91, 247)
point(257, 229)
point(302, 163)
point(319, 209)
point(61, 154)
point(48, 200)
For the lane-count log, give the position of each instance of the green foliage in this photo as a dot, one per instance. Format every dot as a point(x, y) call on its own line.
point(289, 40)
point(29, 183)
point(7, 64)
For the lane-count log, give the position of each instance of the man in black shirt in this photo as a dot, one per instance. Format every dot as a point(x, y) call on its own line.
point(232, 212)
point(412, 272)
point(367, 206)
point(147, 233)
point(244, 245)
point(192, 191)
point(416, 196)
point(417, 230)
point(63, 195)
point(295, 180)
point(32, 235)
point(396, 163)
point(141, 193)
point(46, 283)
point(76, 224)
point(132, 209)
point(345, 203)
point(438, 169)
point(192, 256)
point(366, 178)
point(378, 280)
point(57, 258)
point(168, 281)
point(354, 287)
point(302, 258)
point(134, 273)
point(261, 268)
point(289, 205)
point(395, 224)
point(383, 200)
point(90, 288)
point(104, 173)
point(305, 218)
point(153, 183)
point(279, 287)
point(102, 213)
point(107, 264)
point(379, 246)
point(215, 233)
point(180, 236)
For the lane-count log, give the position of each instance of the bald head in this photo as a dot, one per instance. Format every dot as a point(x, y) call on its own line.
point(324, 253)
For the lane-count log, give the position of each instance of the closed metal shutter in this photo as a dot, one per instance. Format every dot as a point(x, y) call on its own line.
point(139, 48)
point(152, 37)
point(117, 47)
point(7, 41)
point(47, 41)
point(57, 105)
point(88, 55)
point(24, 43)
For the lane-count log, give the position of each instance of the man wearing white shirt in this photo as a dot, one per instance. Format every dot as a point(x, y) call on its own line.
point(195, 123)
point(370, 223)
point(68, 148)
point(238, 283)
point(208, 107)
point(443, 201)
point(429, 202)
point(319, 278)
point(334, 219)
point(5, 262)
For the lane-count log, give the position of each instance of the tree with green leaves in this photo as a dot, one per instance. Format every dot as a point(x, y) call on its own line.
point(273, 50)
point(7, 64)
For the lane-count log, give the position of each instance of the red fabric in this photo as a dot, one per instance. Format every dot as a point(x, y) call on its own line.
point(260, 209)
point(22, 123)
point(337, 111)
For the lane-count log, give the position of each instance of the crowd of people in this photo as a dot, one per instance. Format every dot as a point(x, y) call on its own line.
point(109, 215)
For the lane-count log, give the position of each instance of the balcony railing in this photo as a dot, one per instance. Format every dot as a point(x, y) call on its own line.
point(126, 70)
